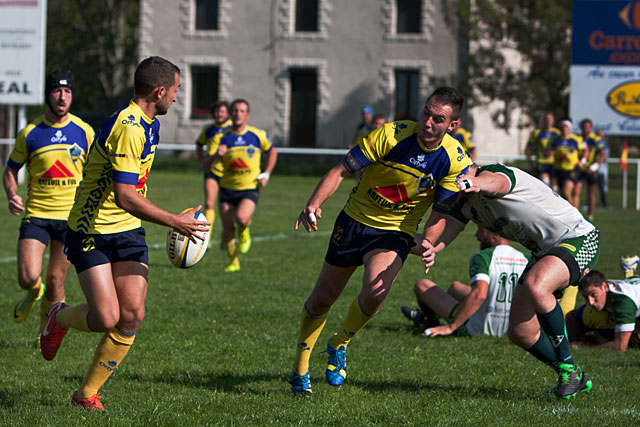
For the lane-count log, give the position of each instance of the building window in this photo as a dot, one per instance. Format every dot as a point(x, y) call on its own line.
point(207, 16)
point(306, 16)
point(408, 16)
point(407, 94)
point(204, 89)
point(304, 105)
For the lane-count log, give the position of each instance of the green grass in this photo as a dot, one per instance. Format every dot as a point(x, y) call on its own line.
point(218, 348)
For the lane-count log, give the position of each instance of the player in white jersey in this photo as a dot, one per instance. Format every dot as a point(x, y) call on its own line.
point(564, 246)
point(618, 297)
point(481, 308)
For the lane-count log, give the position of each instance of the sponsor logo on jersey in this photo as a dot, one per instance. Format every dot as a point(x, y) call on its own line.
point(152, 137)
point(461, 154)
point(57, 174)
point(393, 197)
point(238, 164)
point(131, 120)
point(418, 161)
point(58, 137)
point(251, 151)
point(75, 152)
point(238, 141)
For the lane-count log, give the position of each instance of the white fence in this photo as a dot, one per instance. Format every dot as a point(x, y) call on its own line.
point(484, 158)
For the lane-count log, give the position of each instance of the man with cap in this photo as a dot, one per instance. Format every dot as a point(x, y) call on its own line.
point(365, 127)
point(54, 147)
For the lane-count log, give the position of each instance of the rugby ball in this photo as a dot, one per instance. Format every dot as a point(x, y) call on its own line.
point(182, 252)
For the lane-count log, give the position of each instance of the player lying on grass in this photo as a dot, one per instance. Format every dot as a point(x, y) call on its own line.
point(519, 207)
point(612, 310)
point(481, 308)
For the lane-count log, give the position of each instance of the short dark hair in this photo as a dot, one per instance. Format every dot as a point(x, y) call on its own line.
point(239, 101)
point(218, 104)
point(449, 96)
point(154, 72)
point(583, 121)
point(593, 278)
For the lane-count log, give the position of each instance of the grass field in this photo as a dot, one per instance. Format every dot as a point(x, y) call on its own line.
point(217, 348)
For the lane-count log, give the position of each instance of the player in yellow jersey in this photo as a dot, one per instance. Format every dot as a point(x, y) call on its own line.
point(105, 240)
point(465, 138)
point(407, 167)
point(239, 150)
point(212, 175)
point(596, 156)
point(566, 158)
point(53, 147)
point(364, 127)
point(540, 144)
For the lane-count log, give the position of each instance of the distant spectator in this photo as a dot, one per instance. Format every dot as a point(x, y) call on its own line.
point(540, 145)
point(365, 127)
point(595, 157)
point(378, 120)
point(465, 138)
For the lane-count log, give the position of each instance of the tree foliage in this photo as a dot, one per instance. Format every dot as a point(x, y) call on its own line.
point(519, 53)
point(97, 42)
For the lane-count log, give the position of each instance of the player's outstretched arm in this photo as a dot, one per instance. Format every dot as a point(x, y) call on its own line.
point(439, 231)
point(10, 182)
point(325, 188)
point(184, 223)
point(620, 341)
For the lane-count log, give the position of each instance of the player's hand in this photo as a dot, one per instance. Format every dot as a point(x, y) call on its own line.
point(222, 150)
point(443, 330)
point(188, 226)
point(263, 178)
point(428, 254)
point(467, 183)
point(309, 218)
point(15, 205)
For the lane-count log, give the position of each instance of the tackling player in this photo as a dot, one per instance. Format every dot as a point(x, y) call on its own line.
point(519, 207)
point(407, 167)
point(54, 147)
point(105, 240)
point(212, 174)
point(239, 150)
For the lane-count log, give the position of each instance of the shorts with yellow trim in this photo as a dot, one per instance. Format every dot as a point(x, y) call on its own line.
point(43, 229)
point(88, 250)
point(351, 240)
point(601, 321)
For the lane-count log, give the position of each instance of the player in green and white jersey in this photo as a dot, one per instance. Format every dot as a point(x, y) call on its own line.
point(619, 297)
point(517, 206)
point(481, 308)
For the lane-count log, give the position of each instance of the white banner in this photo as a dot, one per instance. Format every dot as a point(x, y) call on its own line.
point(609, 95)
point(22, 47)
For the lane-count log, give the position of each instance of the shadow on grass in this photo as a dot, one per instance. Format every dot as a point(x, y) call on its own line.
point(226, 382)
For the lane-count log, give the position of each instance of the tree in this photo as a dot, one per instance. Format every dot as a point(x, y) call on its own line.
point(519, 53)
point(97, 42)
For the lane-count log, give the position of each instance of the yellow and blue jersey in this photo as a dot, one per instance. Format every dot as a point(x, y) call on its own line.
point(241, 163)
point(361, 133)
point(465, 138)
point(54, 155)
point(595, 145)
point(123, 152)
point(206, 138)
point(541, 139)
point(402, 178)
point(566, 152)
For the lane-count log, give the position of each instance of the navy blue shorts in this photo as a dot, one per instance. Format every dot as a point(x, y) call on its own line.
point(563, 176)
point(234, 197)
point(591, 178)
point(211, 175)
point(351, 240)
point(43, 229)
point(546, 168)
point(88, 250)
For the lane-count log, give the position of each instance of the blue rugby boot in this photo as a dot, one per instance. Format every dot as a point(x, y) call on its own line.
point(337, 365)
point(300, 385)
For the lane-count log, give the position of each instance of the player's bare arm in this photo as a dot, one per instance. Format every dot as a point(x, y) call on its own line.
point(327, 186)
point(434, 229)
point(10, 182)
point(468, 307)
point(263, 178)
point(130, 200)
point(200, 157)
point(486, 182)
point(620, 342)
